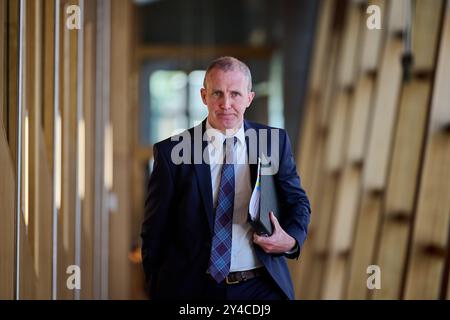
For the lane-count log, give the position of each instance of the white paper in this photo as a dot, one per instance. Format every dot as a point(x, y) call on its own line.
point(256, 195)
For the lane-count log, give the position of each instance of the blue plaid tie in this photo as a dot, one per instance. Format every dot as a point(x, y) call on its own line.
point(219, 264)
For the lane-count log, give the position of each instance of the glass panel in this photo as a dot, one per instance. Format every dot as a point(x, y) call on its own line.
point(168, 93)
point(197, 110)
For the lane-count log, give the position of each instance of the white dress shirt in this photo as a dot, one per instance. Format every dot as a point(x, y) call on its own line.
point(243, 255)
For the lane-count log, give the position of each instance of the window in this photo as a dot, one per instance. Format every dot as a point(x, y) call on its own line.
point(175, 102)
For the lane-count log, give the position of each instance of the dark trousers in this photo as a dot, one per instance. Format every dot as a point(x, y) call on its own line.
point(258, 288)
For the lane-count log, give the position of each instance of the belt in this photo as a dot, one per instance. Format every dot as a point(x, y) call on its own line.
point(240, 276)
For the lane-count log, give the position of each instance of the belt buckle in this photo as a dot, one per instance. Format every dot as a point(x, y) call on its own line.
point(230, 282)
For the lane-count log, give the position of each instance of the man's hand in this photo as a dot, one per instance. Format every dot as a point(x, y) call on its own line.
point(278, 242)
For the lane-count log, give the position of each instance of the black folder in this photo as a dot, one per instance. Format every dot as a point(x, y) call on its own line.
point(269, 201)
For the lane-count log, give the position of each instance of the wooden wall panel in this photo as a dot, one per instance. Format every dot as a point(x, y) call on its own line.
point(364, 245)
point(38, 93)
point(13, 71)
point(384, 113)
point(344, 211)
point(7, 225)
point(43, 239)
point(313, 277)
point(121, 239)
point(403, 159)
point(375, 163)
point(3, 66)
point(431, 226)
point(384, 177)
point(360, 119)
point(402, 184)
point(338, 132)
point(48, 78)
point(321, 45)
point(351, 34)
point(89, 89)
point(312, 145)
point(68, 109)
point(372, 41)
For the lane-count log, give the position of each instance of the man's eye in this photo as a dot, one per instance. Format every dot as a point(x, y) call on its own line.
point(216, 94)
point(235, 94)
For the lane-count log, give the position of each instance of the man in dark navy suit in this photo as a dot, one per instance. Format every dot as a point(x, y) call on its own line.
point(197, 240)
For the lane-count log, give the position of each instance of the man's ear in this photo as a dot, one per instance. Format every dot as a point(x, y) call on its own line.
point(251, 95)
point(203, 95)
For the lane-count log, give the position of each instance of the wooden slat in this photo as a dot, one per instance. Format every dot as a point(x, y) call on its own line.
point(12, 81)
point(27, 269)
point(372, 40)
point(360, 117)
point(120, 237)
point(342, 228)
point(68, 109)
point(313, 265)
point(314, 277)
point(48, 78)
point(402, 184)
point(321, 199)
point(3, 67)
point(329, 85)
point(334, 277)
point(7, 226)
point(364, 244)
point(425, 32)
point(87, 230)
point(387, 90)
point(396, 17)
point(338, 133)
point(308, 144)
point(345, 210)
point(321, 45)
point(431, 227)
point(349, 57)
point(43, 237)
point(408, 146)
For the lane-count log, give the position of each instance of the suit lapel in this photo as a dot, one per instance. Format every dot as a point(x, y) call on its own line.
point(203, 173)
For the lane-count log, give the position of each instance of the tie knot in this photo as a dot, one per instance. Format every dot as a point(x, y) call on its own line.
point(230, 141)
point(228, 145)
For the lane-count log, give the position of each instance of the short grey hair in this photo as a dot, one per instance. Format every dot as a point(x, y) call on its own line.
point(228, 63)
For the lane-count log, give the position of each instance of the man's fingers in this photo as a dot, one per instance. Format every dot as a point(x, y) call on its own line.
point(274, 220)
point(259, 239)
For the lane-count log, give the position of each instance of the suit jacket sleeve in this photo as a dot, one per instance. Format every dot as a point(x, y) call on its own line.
point(296, 207)
point(156, 220)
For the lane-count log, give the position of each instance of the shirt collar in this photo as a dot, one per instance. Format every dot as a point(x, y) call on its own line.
point(216, 137)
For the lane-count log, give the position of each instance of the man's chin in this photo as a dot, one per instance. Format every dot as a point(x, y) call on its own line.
point(231, 125)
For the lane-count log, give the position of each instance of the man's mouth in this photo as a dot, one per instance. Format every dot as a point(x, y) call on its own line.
point(226, 116)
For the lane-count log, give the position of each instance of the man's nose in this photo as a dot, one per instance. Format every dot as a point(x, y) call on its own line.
point(226, 102)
